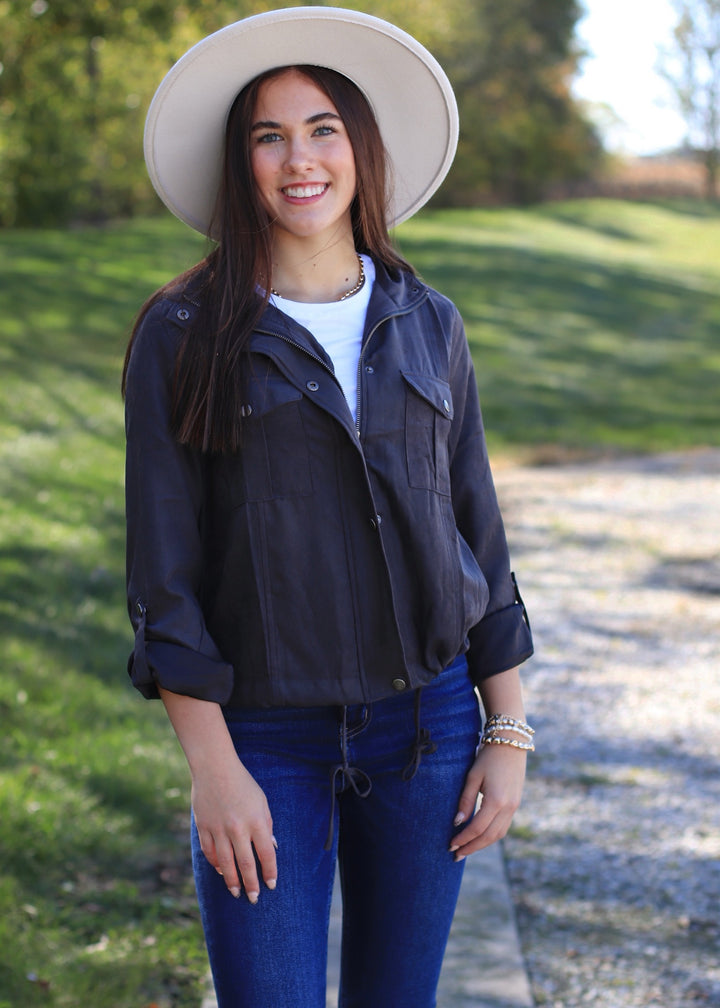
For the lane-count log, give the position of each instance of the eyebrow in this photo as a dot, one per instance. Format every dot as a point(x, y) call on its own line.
point(269, 124)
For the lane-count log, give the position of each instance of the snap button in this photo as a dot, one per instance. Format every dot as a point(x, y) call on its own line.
point(370, 369)
point(140, 608)
point(399, 685)
point(183, 314)
point(312, 386)
point(245, 411)
point(446, 404)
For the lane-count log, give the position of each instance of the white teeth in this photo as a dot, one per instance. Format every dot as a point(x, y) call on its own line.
point(300, 192)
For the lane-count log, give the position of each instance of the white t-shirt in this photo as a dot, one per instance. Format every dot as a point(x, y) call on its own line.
point(338, 327)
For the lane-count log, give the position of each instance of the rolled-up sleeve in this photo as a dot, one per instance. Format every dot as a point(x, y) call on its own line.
point(501, 639)
point(164, 500)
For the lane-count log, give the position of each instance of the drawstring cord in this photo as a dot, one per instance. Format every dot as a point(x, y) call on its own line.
point(423, 746)
point(344, 776)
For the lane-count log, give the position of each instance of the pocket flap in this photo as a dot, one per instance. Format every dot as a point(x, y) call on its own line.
point(433, 390)
point(267, 395)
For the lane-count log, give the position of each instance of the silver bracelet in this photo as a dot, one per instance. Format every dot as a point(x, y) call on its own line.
point(505, 721)
point(492, 739)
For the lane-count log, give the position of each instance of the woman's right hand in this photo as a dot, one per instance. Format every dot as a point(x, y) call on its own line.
point(231, 812)
point(235, 826)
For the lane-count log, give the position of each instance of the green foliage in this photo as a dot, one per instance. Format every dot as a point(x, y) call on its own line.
point(78, 75)
point(77, 78)
point(594, 326)
point(71, 93)
point(511, 65)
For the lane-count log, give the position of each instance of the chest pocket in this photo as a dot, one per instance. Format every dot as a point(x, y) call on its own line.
point(273, 459)
point(428, 414)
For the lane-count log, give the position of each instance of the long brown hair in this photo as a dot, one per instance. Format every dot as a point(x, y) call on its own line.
point(225, 284)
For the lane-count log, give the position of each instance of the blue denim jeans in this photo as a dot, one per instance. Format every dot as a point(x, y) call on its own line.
point(336, 782)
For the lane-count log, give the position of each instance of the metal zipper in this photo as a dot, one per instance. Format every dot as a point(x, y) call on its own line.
point(361, 358)
point(305, 350)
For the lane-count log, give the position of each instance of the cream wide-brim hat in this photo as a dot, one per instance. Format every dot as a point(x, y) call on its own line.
point(407, 89)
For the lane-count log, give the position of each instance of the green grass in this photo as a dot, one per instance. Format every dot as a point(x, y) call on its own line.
point(594, 327)
point(96, 907)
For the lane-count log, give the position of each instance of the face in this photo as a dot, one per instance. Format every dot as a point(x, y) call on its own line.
point(302, 160)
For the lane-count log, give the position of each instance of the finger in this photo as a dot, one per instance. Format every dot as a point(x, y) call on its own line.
point(485, 829)
point(265, 849)
point(225, 865)
point(470, 796)
point(207, 845)
point(247, 865)
point(475, 828)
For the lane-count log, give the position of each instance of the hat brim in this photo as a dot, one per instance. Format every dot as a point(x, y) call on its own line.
point(406, 87)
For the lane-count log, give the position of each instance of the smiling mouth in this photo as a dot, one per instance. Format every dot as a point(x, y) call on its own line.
point(305, 191)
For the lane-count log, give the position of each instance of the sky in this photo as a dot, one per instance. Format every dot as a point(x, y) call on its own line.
point(622, 38)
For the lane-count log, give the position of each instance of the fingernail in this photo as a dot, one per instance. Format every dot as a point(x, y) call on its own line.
point(271, 883)
point(274, 843)
point(453, 849)
point(460, 857)
point(253, 897)
point(234, 891)
point(459, 819)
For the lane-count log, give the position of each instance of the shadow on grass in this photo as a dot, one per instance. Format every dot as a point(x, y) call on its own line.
point(592, 214)
point(698, 209)
point(580, 352)
point(69, 299)
point(65, 622)
point(569, 349)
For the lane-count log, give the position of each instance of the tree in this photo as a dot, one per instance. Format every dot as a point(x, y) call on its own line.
point(692, 68)
point(76, 78)
point(75, 82)
point(511, 64)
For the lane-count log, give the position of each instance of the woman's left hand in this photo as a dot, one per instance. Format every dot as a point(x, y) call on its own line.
point(496, 780)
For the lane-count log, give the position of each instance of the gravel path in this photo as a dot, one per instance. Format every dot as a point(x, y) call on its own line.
point(614, 860)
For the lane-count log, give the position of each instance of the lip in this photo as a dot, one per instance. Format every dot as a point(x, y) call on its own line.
point(302, 193)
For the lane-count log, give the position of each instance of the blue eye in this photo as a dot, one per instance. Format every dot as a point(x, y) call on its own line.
point(324, 130)
point(268, 138)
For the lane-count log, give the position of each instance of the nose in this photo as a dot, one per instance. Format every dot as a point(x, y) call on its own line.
point(299, 155)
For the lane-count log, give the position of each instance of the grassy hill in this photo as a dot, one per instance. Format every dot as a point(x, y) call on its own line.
point(595, 327)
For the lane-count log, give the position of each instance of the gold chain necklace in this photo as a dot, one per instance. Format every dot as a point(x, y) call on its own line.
point(358, 286)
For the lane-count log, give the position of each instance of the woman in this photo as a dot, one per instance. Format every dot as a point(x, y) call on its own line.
point(317, 570)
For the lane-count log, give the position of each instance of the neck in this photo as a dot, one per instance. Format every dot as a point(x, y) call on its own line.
point(318, 276)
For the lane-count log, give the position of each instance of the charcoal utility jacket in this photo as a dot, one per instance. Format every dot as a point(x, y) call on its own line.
point(328, 561)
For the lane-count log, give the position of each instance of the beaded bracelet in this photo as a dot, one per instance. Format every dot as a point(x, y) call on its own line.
point(501, 740)
point(495, 733)
point(505, 721)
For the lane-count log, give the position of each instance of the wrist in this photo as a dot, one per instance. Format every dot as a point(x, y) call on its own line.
point(506, 730)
